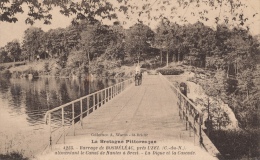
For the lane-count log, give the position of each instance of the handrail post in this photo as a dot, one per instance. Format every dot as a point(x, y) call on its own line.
point(179, 103)
point(105, 95)
point(111, 92)
point(73, 119)
point(94, 101)
point(114, 91)
point(81, 113)
point(182, 109)
point(112, 95)
point(50, 130)
point(189, 114)
point(62, 121)
point(186, 113)
point(98, 99)
point(88, 104)
point(194, 127)
point(200, 134)
point(102, 97)
point(108, 94)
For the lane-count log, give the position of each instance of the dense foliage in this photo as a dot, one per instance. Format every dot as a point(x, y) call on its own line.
point(13, 156)
point(106, 9)
point(237, 144)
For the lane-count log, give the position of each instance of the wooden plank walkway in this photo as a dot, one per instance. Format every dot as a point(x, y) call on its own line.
point(136, 117)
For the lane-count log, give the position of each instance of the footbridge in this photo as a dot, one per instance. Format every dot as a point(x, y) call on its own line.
point(124, 121)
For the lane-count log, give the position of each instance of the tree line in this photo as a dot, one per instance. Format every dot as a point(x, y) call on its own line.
point(233, 52)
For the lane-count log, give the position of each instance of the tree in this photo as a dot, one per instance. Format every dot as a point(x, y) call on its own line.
point(32, 42)
point(77, 59)
point(116, 47)
point(3, 55)
point(94, 40)
point(55, 42)
point(245, 81)
point(72, 34)
point(88, 41)
point(163, 37)
point(14, 50)
point(138, 39)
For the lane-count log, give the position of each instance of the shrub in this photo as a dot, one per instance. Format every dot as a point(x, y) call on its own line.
point(170, 71)
point(6, 74)
point(64, 73)
point(35, 73)
point(2, 68)
point(47, 67)
point(236, 144)
point(146, 65)
point(16, 74)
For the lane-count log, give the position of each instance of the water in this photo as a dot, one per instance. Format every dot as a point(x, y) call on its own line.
point(23, 104)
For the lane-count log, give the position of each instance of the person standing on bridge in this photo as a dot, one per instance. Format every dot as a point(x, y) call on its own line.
point(138, 75)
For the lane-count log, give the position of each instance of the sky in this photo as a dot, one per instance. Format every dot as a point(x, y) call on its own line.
point(11, 31)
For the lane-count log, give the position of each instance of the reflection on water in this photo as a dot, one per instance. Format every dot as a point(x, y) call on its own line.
point(23, 104)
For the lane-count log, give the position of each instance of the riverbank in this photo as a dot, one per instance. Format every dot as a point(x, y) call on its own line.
point(50, 68)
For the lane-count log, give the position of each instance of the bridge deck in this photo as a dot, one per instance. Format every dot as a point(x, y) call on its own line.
point(149, 110)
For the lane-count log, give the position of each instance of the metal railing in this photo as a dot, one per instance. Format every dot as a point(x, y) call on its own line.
point(188, 111)
point(92, 102)
point(193, 118)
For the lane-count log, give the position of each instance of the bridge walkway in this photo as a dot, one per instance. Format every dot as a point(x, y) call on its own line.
point(143, 113)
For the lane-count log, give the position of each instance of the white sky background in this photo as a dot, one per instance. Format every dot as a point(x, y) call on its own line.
point(11, 31)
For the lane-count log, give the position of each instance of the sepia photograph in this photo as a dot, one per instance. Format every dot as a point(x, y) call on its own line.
point(129, 79)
